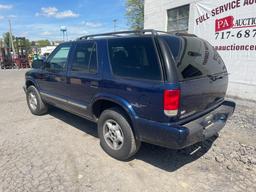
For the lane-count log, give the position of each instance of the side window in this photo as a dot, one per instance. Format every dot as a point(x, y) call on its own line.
point(58, 61)
point(135, 58)
point(85, 58)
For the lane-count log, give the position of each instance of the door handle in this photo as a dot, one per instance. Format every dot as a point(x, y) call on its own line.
point(94, 84)
point(47, 76)
point(63, 79)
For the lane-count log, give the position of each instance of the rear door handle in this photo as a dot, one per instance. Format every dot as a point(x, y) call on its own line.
point(63, 79)
point(94, 84)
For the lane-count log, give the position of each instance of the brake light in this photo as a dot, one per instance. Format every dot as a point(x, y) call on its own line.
point(171, 102)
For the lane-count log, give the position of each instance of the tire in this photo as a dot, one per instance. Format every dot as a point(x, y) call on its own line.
point(114, 119)
point(34, 101)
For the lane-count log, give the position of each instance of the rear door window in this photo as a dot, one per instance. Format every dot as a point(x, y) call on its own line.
point(134, 58)
point(195, 58)
point(85, 58)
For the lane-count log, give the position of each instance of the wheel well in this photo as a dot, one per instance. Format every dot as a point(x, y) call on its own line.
point(29, 83)
point(102, 105)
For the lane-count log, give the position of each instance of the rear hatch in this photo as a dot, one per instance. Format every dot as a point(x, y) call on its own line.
point(201, 72)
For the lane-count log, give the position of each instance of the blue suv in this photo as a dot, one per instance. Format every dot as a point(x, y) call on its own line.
point(138, 86)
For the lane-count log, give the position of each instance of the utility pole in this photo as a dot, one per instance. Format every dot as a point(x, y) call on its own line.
point(114, 22)
point(1, 43)
point(11, 40)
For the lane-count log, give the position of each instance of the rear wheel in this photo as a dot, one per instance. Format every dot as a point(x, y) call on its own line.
point(35, 103)
point(116, 135)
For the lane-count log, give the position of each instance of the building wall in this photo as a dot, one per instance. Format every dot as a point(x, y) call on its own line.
point(156, 12)
point(242, 80)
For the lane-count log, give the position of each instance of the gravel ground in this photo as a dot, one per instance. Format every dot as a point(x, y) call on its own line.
point(61, 152)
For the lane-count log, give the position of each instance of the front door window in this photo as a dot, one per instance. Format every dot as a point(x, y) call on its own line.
point(58, 61)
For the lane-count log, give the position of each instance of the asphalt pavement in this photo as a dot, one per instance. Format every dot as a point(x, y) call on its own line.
point(61, 152)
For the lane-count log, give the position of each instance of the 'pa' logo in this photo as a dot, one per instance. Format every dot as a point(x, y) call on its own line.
point(224, 23)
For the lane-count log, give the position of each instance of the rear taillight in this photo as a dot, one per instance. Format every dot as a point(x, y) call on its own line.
point(171, 102)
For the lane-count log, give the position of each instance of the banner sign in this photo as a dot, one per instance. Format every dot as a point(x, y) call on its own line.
point(230, 26)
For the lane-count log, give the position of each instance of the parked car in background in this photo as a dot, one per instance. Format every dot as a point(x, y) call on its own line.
point(138, 86)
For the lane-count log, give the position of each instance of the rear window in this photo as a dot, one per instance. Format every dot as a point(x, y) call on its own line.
point(194, 57)
point(134, 58)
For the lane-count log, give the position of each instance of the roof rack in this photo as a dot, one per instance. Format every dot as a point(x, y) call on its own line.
point(136, 32)
point(121, 33)
point(185, 34)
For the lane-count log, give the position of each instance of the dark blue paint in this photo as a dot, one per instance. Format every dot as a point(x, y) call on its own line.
point(141, 99)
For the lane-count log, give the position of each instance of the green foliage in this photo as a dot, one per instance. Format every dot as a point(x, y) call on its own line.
point(22, 43)
point(17, 42)
point(43, 43)
point(6, 37)
point(135, 14)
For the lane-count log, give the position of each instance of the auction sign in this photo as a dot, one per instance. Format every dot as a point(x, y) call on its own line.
point(230, 26)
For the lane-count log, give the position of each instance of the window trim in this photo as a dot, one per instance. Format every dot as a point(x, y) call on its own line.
point(134, 78)
point(73, 55)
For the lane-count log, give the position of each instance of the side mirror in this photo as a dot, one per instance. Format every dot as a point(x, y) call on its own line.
point(37, 64)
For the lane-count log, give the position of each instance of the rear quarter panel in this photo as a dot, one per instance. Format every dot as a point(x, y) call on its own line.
point(144, 97)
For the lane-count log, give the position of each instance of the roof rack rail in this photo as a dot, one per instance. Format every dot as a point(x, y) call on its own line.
point(136, 32)
point(185, 34)
point(120, 33)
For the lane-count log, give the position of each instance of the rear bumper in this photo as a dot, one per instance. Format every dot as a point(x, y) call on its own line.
point(178, 136)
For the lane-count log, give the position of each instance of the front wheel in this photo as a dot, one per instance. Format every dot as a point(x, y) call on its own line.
point(34, 101)
point(116, 135)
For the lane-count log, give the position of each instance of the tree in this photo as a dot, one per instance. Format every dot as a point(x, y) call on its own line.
point(135, 14)
point(18, 42)
point(21, 43)
point(43, 43)
point(6, 37)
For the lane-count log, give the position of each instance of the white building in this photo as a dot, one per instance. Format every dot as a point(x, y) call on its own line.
point(229, 25)
point(47, 50)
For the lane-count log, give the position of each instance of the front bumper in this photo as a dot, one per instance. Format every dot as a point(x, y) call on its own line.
point(178, 136)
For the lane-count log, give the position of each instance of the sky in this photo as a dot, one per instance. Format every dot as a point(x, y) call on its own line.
point(42, 19)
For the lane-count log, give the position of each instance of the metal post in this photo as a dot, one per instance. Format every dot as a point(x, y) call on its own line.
point(1, 43)
point(63, 29)
point(11, 40)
